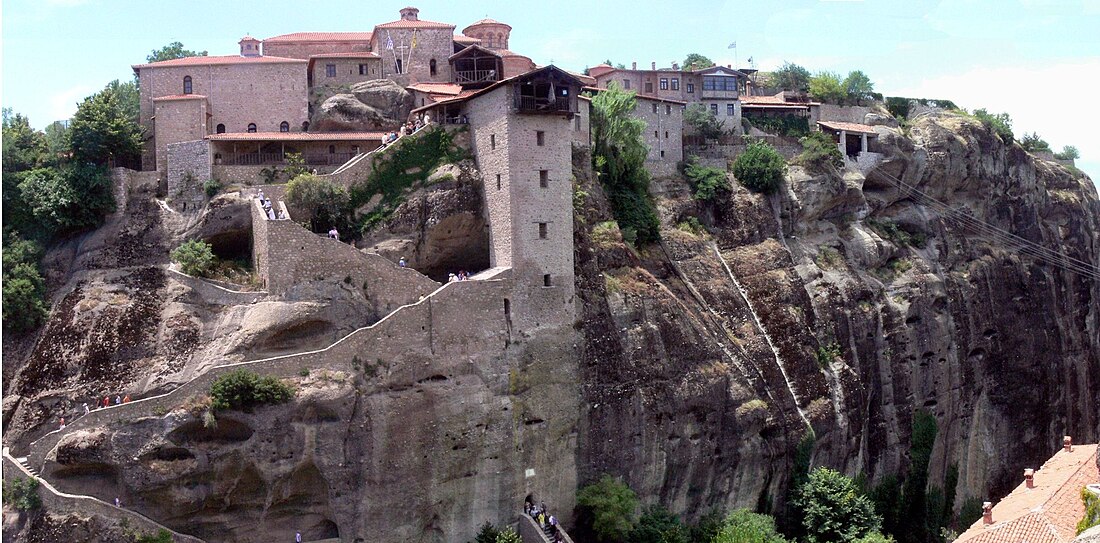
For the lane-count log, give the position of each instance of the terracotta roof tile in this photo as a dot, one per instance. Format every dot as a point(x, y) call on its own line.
point(488, 22)
point(461, 38)
point(450, 89)
point(296, 136)
point(401, 23)
point(180, 97)
point(298, 37)
point(1047, 513)
point(848, 127)
point(210, 61)
point(349, 54)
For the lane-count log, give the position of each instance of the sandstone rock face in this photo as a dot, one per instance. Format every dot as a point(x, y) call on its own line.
point(841, 305)
point(379, 104)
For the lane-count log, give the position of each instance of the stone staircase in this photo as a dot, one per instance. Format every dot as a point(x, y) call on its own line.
point(362, 163)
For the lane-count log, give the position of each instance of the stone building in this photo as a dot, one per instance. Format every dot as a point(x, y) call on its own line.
point(718, 88)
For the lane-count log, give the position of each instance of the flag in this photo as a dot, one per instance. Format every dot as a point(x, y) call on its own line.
point(750, 60)
point(414, 39)
point(553, 94)
point(389, 41)
point(732, 46)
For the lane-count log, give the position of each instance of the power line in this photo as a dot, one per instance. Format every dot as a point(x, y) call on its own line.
point(1024, 246)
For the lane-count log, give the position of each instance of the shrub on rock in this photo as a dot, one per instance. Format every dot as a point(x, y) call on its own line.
point(243, 389)
point(195, 257)
point(760, 168)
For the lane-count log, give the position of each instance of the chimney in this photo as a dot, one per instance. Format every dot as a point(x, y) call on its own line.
point(1067, 443)
point(653, 65)
point(730, 66)
point(409, 14)
point(633, 65)
point(1029, 477)
point(675, 67)
point(987, 513)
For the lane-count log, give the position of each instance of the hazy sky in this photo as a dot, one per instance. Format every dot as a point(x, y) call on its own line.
point(1039, 60)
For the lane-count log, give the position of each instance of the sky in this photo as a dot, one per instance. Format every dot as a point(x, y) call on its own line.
point(1038, 60)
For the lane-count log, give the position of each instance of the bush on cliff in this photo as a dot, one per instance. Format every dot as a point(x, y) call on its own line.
point(22, 494)
point(327, 202)
point(819, 150)
point(24, 288)
point(608, 508)
point(243, 390)
point(1000, 123)
point(707, 182)
point(744, 526)
point(760, 168)
point(833, 510)
point(658, 525)
point(195, 257)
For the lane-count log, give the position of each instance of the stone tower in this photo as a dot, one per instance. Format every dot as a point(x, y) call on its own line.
point(493, 34)
point(250, 47)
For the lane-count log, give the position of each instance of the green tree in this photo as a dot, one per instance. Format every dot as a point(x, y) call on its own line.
point(875, 537)
point(619, 156)
point(760, 168)
point(833, 510)
point(695, 61)
point(705, 123)
point(172, 51)
point(707, 527)
point(1033, 143)
point(611, 506)
point(103, 129)
point(1000, 123)
point(508, 535)
point(128, 96)
point(24, 306)
point(487, 534)
point(915, 525)
point(1069, 152)
point(707, 182)
point(898, 107)
point(819, 149)
point(658, 525)
point(195, 257)
point(791, 77)
point(24, 147)
point(57, 138)
point(72, 198)
point(858, 87)
point(243, 390)
point(22, 494)
point(744, 526)
point(886, 495)
point(827, 87)
point(326, 201)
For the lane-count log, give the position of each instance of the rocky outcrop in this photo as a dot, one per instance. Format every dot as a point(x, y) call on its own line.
point(379, 104)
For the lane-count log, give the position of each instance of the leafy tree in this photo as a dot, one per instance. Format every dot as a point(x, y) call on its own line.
point(619, 156)
point(611, 507)
point(508, 535)
point(705, 123)
point(487, 534)
point(1033, 143)
point(327, 201)
point(886, 495)
point(916, 526)
point(195, 257)
point(172, 51)
point(858, 86)
point(658, 525)
point(819, 149)
point(1069, 152)
point(760, 168)
point(128, 96)
point(695, 61)
point(833, 510)
point(898, 107)
point(57, 138)
point(1001, 123)
point(875, 537)
point(24, 147)
point(104, 129)
point(791, 77)
point(68, 199)
point(22, 494)
point(744, 526)
point(827, 87)
point(244, 389)
point(707, 527)
point(708, 182)
point(24, 306)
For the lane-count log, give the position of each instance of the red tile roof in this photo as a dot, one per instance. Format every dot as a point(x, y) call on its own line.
point(848, 127)
point(210, 61)
point(461, 38)
point(597, 90)
point(450, 89)
point(350, 54)
point(1047, 513)
point(296, 136)
point(488, 22)
point(299, 37)
point(402, 23)
point(179, 97)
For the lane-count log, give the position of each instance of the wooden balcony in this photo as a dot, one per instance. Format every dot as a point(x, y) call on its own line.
point(471, 77)
point(542, 104)
point(279, 159)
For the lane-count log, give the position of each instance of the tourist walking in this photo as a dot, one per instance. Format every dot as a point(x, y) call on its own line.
point(62, 423)
point(118, 400)
point(118, 502)
point(126, 399)
point(297, 537)
point(86, 410)
point(402, 262)
point(334, 234)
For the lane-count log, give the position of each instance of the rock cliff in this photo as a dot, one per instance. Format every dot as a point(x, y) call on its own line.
point(836, 308)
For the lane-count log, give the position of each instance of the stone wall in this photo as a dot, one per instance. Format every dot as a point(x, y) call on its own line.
point(188, 167)
point(664, 134)
point(125, 181)
point(582, 123)
point(305, 49)
point(347, 70)
point(489, 137)
point(180, 120)
point(431, 44)
point(253, 175)
point(847, 114)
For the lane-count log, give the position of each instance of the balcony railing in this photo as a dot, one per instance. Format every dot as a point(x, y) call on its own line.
point(265, 159)
point(543, 104)
point(466, 77)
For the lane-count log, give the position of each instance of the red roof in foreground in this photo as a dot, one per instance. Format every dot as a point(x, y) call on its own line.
point(226, 59)
point(298, 37)
point(848, 127)
point(1047, 513)
point(296, 136)
point(452, 89)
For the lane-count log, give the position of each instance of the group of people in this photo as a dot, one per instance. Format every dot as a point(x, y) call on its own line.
point(119, 399)
point(547, 521)
point(268, 208)
point(460, 276)
point(408, 128)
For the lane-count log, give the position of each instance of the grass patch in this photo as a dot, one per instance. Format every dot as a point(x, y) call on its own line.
point(897, 234)
point(691, 225)
point(828, 258)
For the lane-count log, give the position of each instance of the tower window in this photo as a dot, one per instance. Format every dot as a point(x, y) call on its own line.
point(330, 70)
point(546, 282)
point(284, 127)
point(431, 67)
point(187, 84)
point(666, 134)
point(668, 109)
point(251, 127)
point(654, 108)
point(544, 178)
point(498, 181)
point(332, 149)
point(220, 129)
point(542, 230)
point(492, 141)
point(540, 137)
point(363, 70)
point(305, 126)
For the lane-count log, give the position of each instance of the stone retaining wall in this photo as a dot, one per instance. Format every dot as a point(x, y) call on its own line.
point(213, 293)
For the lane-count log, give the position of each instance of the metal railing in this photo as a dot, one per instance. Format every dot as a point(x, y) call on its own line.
point(541, 103)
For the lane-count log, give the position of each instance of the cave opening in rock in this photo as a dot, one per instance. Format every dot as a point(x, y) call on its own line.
point(232, 245)
point(459, 243)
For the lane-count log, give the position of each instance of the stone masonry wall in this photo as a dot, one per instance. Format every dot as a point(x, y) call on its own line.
point(180, 120)
point(489, 136)
point(347, 71)
point(431, 43)
point(188, 168)
point(304, 50)
point(582, 123)
point(847, 114)
point(664, 134)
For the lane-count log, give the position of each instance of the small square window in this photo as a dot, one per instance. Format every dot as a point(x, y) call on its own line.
point(655, 134)
point(730, 109)
point(664, 83)
point(542, 230)
point(330, 70)
point(544, 179)
point(675, 83)
point(666, 134)
point(655, 108)
point(714, 108)
point(649, 87)
point(626, 84)
point(546, 282)
point(691, 88)
point(540, 137)
point(492, 141)
point(363, 70)
point(498, 181)
point(662, 154)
